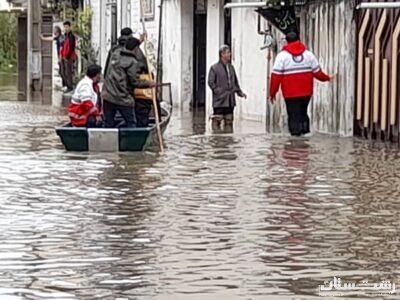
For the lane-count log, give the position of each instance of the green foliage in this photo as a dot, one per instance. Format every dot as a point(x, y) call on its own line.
point(83, 28)
point(8, 41)
point(63, 10)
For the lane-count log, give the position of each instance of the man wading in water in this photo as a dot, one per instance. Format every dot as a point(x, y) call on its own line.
point(294, 71)
point(224, 84)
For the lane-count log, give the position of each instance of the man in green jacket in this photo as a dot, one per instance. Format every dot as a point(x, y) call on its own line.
point(121, 81)
point(126, 33)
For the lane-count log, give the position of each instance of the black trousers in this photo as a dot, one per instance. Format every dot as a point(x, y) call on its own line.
point(223, 110)
point(110, 110)
point(142, 110)
point(299, 122)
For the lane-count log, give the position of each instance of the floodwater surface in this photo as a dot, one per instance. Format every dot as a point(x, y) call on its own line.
point(229, 216)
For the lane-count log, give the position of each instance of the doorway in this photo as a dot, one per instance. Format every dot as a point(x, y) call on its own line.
point(199, 53)
point(227, 26)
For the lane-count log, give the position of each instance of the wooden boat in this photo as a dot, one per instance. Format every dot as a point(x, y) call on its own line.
point(112, 139)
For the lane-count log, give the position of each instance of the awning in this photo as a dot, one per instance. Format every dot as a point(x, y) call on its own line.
point(283, 17)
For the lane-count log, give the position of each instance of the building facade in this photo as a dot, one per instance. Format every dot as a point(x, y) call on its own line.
point(193, 30)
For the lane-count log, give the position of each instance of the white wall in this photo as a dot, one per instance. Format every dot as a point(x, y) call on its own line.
point(177, 45)
point(98, 29)
point(215, 38)
point(332, 38)
point(329, 31)
point(250, 63)
point(186, 93)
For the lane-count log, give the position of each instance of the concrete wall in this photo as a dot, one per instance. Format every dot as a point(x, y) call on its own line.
point(250, 63)
point(98, 28)
point(215, 38)
point(329, 31)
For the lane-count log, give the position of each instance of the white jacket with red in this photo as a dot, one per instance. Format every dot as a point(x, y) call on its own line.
point(294, 71)
point(83, 102)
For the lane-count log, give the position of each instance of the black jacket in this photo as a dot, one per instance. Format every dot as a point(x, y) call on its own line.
point(120, 46)
point(122, 79)
point(117, 47)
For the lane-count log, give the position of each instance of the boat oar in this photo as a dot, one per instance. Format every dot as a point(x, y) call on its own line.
point(155, 107)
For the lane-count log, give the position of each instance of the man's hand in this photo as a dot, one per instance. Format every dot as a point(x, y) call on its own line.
point(243, 95)
point(152, 84)
point(143, 37)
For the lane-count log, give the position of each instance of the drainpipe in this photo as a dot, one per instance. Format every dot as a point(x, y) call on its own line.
point(378, 5)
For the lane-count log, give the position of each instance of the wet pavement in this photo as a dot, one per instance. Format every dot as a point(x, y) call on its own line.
point(236, 216)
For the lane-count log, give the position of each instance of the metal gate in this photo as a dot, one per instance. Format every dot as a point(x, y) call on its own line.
point(377, 107)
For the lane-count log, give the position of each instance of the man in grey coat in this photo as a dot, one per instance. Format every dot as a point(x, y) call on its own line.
point(224, 84)
point(119, 85)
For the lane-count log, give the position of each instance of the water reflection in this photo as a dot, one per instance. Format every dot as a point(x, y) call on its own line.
point(218, 216)
point(8, 86)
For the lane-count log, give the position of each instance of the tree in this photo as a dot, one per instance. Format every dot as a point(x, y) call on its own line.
point(83, 29)
point(8, 41)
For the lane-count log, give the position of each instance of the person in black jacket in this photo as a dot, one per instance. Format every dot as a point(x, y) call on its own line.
point(121, 81)
point(126, 33)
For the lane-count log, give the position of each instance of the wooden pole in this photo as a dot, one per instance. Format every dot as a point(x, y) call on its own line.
point(160, 139)
point(159, 75)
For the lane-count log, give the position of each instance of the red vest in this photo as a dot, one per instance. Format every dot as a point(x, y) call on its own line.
point(84, 102)
point(294, 71)
point(68, 47)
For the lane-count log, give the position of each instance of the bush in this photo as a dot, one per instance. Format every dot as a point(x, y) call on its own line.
point(83, 29)
point(8, 41)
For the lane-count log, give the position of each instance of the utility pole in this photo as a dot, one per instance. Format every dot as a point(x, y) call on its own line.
point(34, 59)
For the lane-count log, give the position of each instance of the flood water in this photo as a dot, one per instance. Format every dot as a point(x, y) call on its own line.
point(8, 86)
point(229, 216)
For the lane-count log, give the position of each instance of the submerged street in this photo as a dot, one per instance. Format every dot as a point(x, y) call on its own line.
point(236, 216)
